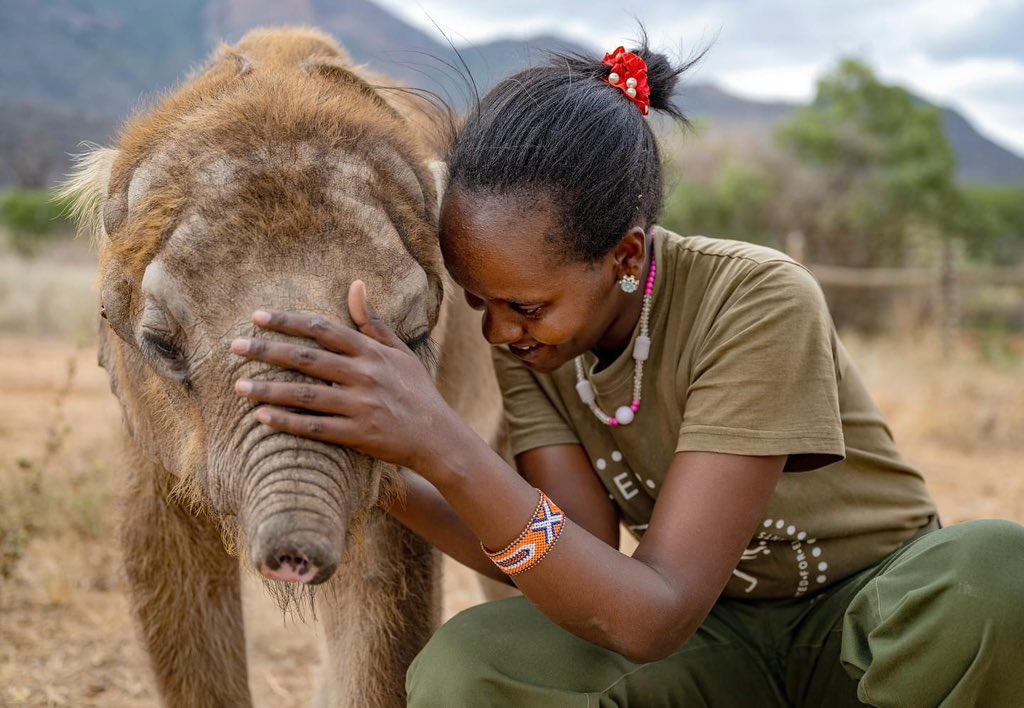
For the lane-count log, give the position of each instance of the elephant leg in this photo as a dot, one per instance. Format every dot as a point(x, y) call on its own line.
point(185, 596)
point(377, 612)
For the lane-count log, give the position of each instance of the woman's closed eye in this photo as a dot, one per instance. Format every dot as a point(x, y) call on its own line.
point(531, 311)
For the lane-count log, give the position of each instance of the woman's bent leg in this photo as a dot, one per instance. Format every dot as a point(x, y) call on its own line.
point(941, 624)
point(507, 653)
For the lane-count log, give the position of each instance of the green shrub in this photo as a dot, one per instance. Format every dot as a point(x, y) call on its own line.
point(33, 218)
point(993, 223)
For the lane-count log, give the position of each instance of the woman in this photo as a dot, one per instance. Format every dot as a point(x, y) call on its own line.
point(693, 389)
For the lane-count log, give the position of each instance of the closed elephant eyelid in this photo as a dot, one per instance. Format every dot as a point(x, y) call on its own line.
point(161, 341)
point(424, 347)
point(165, 353)
point(416, 341)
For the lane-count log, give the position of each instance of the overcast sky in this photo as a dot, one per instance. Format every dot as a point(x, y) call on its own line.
point(965, 54)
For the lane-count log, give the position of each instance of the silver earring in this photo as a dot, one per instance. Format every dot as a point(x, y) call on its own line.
point(629, 283)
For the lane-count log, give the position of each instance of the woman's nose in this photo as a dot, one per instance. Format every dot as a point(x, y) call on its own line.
point(499, 328)
point(473, 301)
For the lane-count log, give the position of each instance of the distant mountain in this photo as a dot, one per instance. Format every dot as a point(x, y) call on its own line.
point(712, 104)
point(36, 140)
point(82, 66)
point(980, 160)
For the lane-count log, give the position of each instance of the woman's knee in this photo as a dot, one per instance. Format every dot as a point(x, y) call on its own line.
point(970, 573)
point(445, 672)
point(508, 653)
point(943, 620)
point(989, 563)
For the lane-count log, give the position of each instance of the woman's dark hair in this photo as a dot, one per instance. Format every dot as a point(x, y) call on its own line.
point(560, 131)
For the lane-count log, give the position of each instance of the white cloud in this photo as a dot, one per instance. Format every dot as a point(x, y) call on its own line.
point(961, 53)
point(989, 92)
point(793, 82)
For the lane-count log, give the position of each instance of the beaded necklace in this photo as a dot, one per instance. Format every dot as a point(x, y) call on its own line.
point(641, 350)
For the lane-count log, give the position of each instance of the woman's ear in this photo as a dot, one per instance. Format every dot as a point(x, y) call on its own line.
point(630, 255)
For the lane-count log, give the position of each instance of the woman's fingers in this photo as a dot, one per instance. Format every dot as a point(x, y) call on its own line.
point(365, 318)
point(309, 396)
point(317, 363)
point(334, 430)
point(323, 331)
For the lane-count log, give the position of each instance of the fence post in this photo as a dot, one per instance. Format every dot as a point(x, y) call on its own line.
point(949, 295)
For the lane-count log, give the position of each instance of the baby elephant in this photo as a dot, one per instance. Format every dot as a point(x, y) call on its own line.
point(272, 179)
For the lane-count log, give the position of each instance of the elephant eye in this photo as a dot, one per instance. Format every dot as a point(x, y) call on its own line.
point(416, 341)
point(162, 345)
point(166, 354)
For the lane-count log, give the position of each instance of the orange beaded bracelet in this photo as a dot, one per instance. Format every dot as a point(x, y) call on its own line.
point(535, 542)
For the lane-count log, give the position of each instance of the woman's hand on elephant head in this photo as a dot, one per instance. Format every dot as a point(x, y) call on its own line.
point(377, 397)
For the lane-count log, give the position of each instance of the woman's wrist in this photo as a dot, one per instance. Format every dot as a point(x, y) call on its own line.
point(448, 452)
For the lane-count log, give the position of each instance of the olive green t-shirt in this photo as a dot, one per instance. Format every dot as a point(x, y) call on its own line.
point(744, 360)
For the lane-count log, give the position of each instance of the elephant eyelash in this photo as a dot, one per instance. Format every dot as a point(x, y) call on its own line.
point(416, 341)
point(422, 345)
point(162, 345)
point(166, 355)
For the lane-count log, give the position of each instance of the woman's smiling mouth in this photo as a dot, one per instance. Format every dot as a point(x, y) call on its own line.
point(525, 352)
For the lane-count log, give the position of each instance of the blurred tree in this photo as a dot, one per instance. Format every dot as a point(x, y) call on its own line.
point(993, 221)
point(32, 217)
point(736, 201)
point(737, 184)
point(885, 166)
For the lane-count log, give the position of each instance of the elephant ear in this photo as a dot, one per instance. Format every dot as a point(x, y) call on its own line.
point(98, 213)
point(336, 69)
point(86, 192)
point(439, 169)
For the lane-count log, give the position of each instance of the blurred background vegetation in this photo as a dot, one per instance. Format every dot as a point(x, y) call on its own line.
point(863, 177)
point(860, 171)
point(33, 218)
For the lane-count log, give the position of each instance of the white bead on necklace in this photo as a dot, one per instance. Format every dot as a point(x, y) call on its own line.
point(641, 350)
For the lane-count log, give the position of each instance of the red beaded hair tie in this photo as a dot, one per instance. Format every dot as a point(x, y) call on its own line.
point(629, 74)
point(534, 543)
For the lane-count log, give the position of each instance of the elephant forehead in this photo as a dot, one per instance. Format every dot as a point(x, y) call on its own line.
point(201, 274)
point(276, 193)
point(352, 170)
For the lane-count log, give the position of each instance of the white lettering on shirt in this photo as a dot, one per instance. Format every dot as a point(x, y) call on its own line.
point(625, 485)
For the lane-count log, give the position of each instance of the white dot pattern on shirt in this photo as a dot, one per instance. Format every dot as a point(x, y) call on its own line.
point(800, 537)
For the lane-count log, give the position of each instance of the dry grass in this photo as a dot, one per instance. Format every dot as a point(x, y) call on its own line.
point(65, 635)
point(961, 420)
point(51, 296)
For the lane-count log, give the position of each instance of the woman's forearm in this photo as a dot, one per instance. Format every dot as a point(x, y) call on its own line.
point(584, 585)
point(423, 510)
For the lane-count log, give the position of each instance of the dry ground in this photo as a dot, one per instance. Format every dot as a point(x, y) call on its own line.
point(65, 637)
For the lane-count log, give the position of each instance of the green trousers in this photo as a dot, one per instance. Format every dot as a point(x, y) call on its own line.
point(940, 622)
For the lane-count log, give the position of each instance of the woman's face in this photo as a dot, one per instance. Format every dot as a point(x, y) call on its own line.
point(548, 309)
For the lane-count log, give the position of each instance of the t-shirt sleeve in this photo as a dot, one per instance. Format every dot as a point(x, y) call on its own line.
point(765, 379)
point(530, 408)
